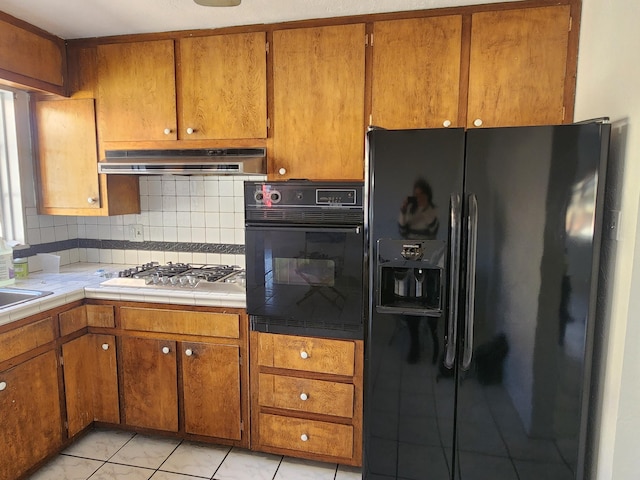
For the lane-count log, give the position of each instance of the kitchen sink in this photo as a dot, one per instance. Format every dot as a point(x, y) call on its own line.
point(12, 296)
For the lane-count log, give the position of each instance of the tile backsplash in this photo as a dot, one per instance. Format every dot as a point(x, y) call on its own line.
point(196, 219)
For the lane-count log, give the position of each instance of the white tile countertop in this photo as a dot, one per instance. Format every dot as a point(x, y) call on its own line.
point(82, 280)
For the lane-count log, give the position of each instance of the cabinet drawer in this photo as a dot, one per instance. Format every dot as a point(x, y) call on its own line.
point(21, 340)
point(322, 438)
point(335, 357)
point(306, 395)
point(72, 320)
point(100, 316)
point(184, 322)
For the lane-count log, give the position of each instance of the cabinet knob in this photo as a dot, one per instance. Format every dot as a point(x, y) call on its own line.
point(446, 123)
point(165, 350)
point(304, 354)
point(188, 352)
point(477, 122)
point(105, 346)
point(304, 437)
point(3, 385)
point(190, 131)
point(91, 200)
point(282, 171)
point(167, 131)
point(303, 396)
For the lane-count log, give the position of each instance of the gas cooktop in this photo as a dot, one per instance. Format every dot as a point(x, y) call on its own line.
point(216, 278)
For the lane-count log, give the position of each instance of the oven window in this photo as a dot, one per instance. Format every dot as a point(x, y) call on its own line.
point(306, 278)
point(304, 271)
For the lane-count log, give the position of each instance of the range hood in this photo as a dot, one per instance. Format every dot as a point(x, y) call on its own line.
point(203, 161)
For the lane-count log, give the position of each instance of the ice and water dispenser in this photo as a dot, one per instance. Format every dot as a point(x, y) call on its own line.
point(410, 276)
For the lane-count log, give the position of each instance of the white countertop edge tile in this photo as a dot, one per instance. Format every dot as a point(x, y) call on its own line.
point(79, 281)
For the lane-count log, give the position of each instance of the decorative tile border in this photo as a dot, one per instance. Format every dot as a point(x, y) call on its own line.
point(127, 245)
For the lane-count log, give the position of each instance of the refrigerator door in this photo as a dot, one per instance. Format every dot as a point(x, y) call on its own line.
point(409, 402)
point(522, 384)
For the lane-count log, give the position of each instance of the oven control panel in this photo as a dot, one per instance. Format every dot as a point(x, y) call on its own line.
point(264, 195)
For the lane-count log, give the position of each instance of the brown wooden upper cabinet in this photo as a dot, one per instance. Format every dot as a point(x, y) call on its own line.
point(318, 102)
point(136, 91)
point(517, 69)
point(216, 89)
point(67, 156)
point(416, 72)
point(222, 82)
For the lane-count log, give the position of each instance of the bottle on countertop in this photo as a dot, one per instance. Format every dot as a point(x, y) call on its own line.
point(7, 275)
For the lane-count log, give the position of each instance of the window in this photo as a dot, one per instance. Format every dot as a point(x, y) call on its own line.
point(13, 111)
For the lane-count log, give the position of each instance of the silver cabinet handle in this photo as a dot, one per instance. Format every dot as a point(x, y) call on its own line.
point(304, 355)
point(188, 352)
point(472, 246)
point(3, 385)
point(304, 437)
point(477, 122)
point(165, 350)
point(304, 396)
point(91, 200)
point(282, 171)
point(190, 131)
point(454, 271)
point(105, 346)
point(167, 131)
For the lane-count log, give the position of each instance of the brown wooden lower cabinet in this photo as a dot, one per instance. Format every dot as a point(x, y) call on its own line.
point(211, 386)
point(149, 383)
point(90, 381)
point(307, 397)
point(30, 415)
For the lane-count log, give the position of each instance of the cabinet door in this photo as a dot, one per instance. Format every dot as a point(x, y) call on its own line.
point(518, 66)
point(30, 418)
point(416, 72)
point(223, 87)
point(136, 91)
point(318, 106)
point(149, 383)
point(67, 155)
point(211, 381)
point(91, 388)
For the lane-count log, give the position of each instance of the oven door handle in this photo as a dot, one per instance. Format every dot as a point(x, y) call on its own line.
point(307, 228)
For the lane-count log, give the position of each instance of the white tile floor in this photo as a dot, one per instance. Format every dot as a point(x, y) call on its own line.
point(108, 455)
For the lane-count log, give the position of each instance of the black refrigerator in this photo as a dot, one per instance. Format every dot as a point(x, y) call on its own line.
point(483, 250)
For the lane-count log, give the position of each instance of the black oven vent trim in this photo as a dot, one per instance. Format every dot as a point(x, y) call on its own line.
point(314, 217)
point(307, 328)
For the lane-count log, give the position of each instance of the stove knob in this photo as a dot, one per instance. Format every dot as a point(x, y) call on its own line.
point(258, 196)
point(275, 197)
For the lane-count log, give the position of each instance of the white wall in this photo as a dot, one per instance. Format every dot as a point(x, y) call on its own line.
point(608, 84)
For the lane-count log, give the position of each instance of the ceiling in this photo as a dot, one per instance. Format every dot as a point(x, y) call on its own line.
point(99, 18)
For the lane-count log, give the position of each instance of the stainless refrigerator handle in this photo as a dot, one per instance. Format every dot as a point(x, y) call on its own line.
point(472, 243)
point(454, 270)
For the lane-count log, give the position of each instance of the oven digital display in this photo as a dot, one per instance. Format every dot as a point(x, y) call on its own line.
point(335, 196)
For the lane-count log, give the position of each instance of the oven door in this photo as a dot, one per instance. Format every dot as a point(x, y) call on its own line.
point(305, 280)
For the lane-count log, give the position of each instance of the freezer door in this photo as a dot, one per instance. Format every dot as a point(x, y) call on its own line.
point(525, 363)
point(410, 393)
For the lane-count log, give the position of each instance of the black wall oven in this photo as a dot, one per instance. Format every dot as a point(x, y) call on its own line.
point(305, 257)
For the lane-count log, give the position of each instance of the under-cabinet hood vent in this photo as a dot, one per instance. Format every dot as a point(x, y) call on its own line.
point(205, 161)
